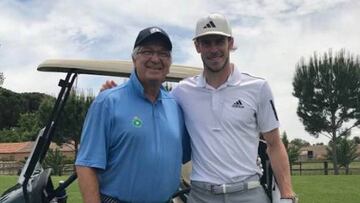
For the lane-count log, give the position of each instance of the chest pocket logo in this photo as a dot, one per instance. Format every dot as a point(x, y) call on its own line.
point(137, 122)
point(238, 104)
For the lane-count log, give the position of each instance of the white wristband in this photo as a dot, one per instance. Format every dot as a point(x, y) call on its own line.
point(286, 201)
point(289, 200)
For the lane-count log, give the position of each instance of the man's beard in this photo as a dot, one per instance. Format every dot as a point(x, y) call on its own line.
point(206, 66)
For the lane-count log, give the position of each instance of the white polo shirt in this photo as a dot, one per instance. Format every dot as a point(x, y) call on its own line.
point(224, 125)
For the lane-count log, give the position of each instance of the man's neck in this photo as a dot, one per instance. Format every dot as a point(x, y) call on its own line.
point(216, 79)
point(152, 91)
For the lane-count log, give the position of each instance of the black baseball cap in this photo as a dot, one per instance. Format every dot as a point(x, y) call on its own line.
point(152, 33)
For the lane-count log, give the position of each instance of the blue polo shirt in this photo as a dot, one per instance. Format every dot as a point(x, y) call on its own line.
point(135, 145)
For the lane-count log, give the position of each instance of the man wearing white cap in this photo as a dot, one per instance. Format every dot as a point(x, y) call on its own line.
point(225, 111)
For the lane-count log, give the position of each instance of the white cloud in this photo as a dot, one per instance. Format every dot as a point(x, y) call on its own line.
point(271, 37)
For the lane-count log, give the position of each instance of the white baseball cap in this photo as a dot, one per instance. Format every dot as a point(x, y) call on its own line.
point(214, 24)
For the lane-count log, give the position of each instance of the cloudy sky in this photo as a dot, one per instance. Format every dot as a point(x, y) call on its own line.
point(271, 36)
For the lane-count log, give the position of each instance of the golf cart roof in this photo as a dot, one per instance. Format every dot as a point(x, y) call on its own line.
point(110, 68)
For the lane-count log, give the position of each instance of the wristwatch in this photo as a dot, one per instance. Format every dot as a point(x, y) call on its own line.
point(293, 199)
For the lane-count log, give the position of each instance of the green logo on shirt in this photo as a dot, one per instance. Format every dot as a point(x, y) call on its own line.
point(137, 122)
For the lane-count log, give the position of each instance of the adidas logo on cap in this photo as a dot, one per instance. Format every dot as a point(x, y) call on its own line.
point(214, 24)
point(209, 25)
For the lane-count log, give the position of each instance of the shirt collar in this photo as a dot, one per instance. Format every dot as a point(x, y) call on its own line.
point(233, 79)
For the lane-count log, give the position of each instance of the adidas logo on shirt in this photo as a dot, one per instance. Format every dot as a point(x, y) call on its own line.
point(238, 104)
point(210, 24)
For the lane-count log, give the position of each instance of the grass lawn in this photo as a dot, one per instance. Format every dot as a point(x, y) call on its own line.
point(310, 189)
point(73, 191)
point(327, 189)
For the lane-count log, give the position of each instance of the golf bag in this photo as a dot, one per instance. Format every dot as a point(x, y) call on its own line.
point(268, 180)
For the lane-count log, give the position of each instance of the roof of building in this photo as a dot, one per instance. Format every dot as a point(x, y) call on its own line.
point(320, 149)
point(17, 147)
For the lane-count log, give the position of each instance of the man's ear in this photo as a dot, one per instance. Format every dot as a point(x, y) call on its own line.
point(231, 43)
point(197, 46)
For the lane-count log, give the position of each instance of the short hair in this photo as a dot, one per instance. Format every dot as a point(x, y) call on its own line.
point(135, 51)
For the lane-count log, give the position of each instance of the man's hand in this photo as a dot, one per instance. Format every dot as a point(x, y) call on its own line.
point(108, 85)
point(259, 164)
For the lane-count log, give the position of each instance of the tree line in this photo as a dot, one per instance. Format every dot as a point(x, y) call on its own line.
point(24, 114)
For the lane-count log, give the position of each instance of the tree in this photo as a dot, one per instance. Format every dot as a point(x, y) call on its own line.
point(356, 139)
point(27, 130)
point(9, 135)
point(29, 126)
point(18, 120)
point(328, 89)
point(346, 152)
point(293, 150)
point(300, 142)
point(13, 104)
point(32, 101)
point(73, 119)
point(68, 130)
point(285, 139)
point(55, 160)
point(2, 79)
point(168, 86)
point(45, 110)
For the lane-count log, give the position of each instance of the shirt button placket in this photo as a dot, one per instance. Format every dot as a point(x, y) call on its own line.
point(216, 109)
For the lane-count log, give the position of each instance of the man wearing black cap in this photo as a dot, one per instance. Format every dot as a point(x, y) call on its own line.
point(131, 145)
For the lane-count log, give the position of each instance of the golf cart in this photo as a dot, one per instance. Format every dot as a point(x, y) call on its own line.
point(34, 184)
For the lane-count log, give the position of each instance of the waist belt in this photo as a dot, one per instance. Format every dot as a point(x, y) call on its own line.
point(226, 188)
point(108, 199)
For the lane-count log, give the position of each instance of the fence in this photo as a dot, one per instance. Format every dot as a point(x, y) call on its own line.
point(322, 168)
point(10, 167)
point(298, 168)
point(14, 168)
